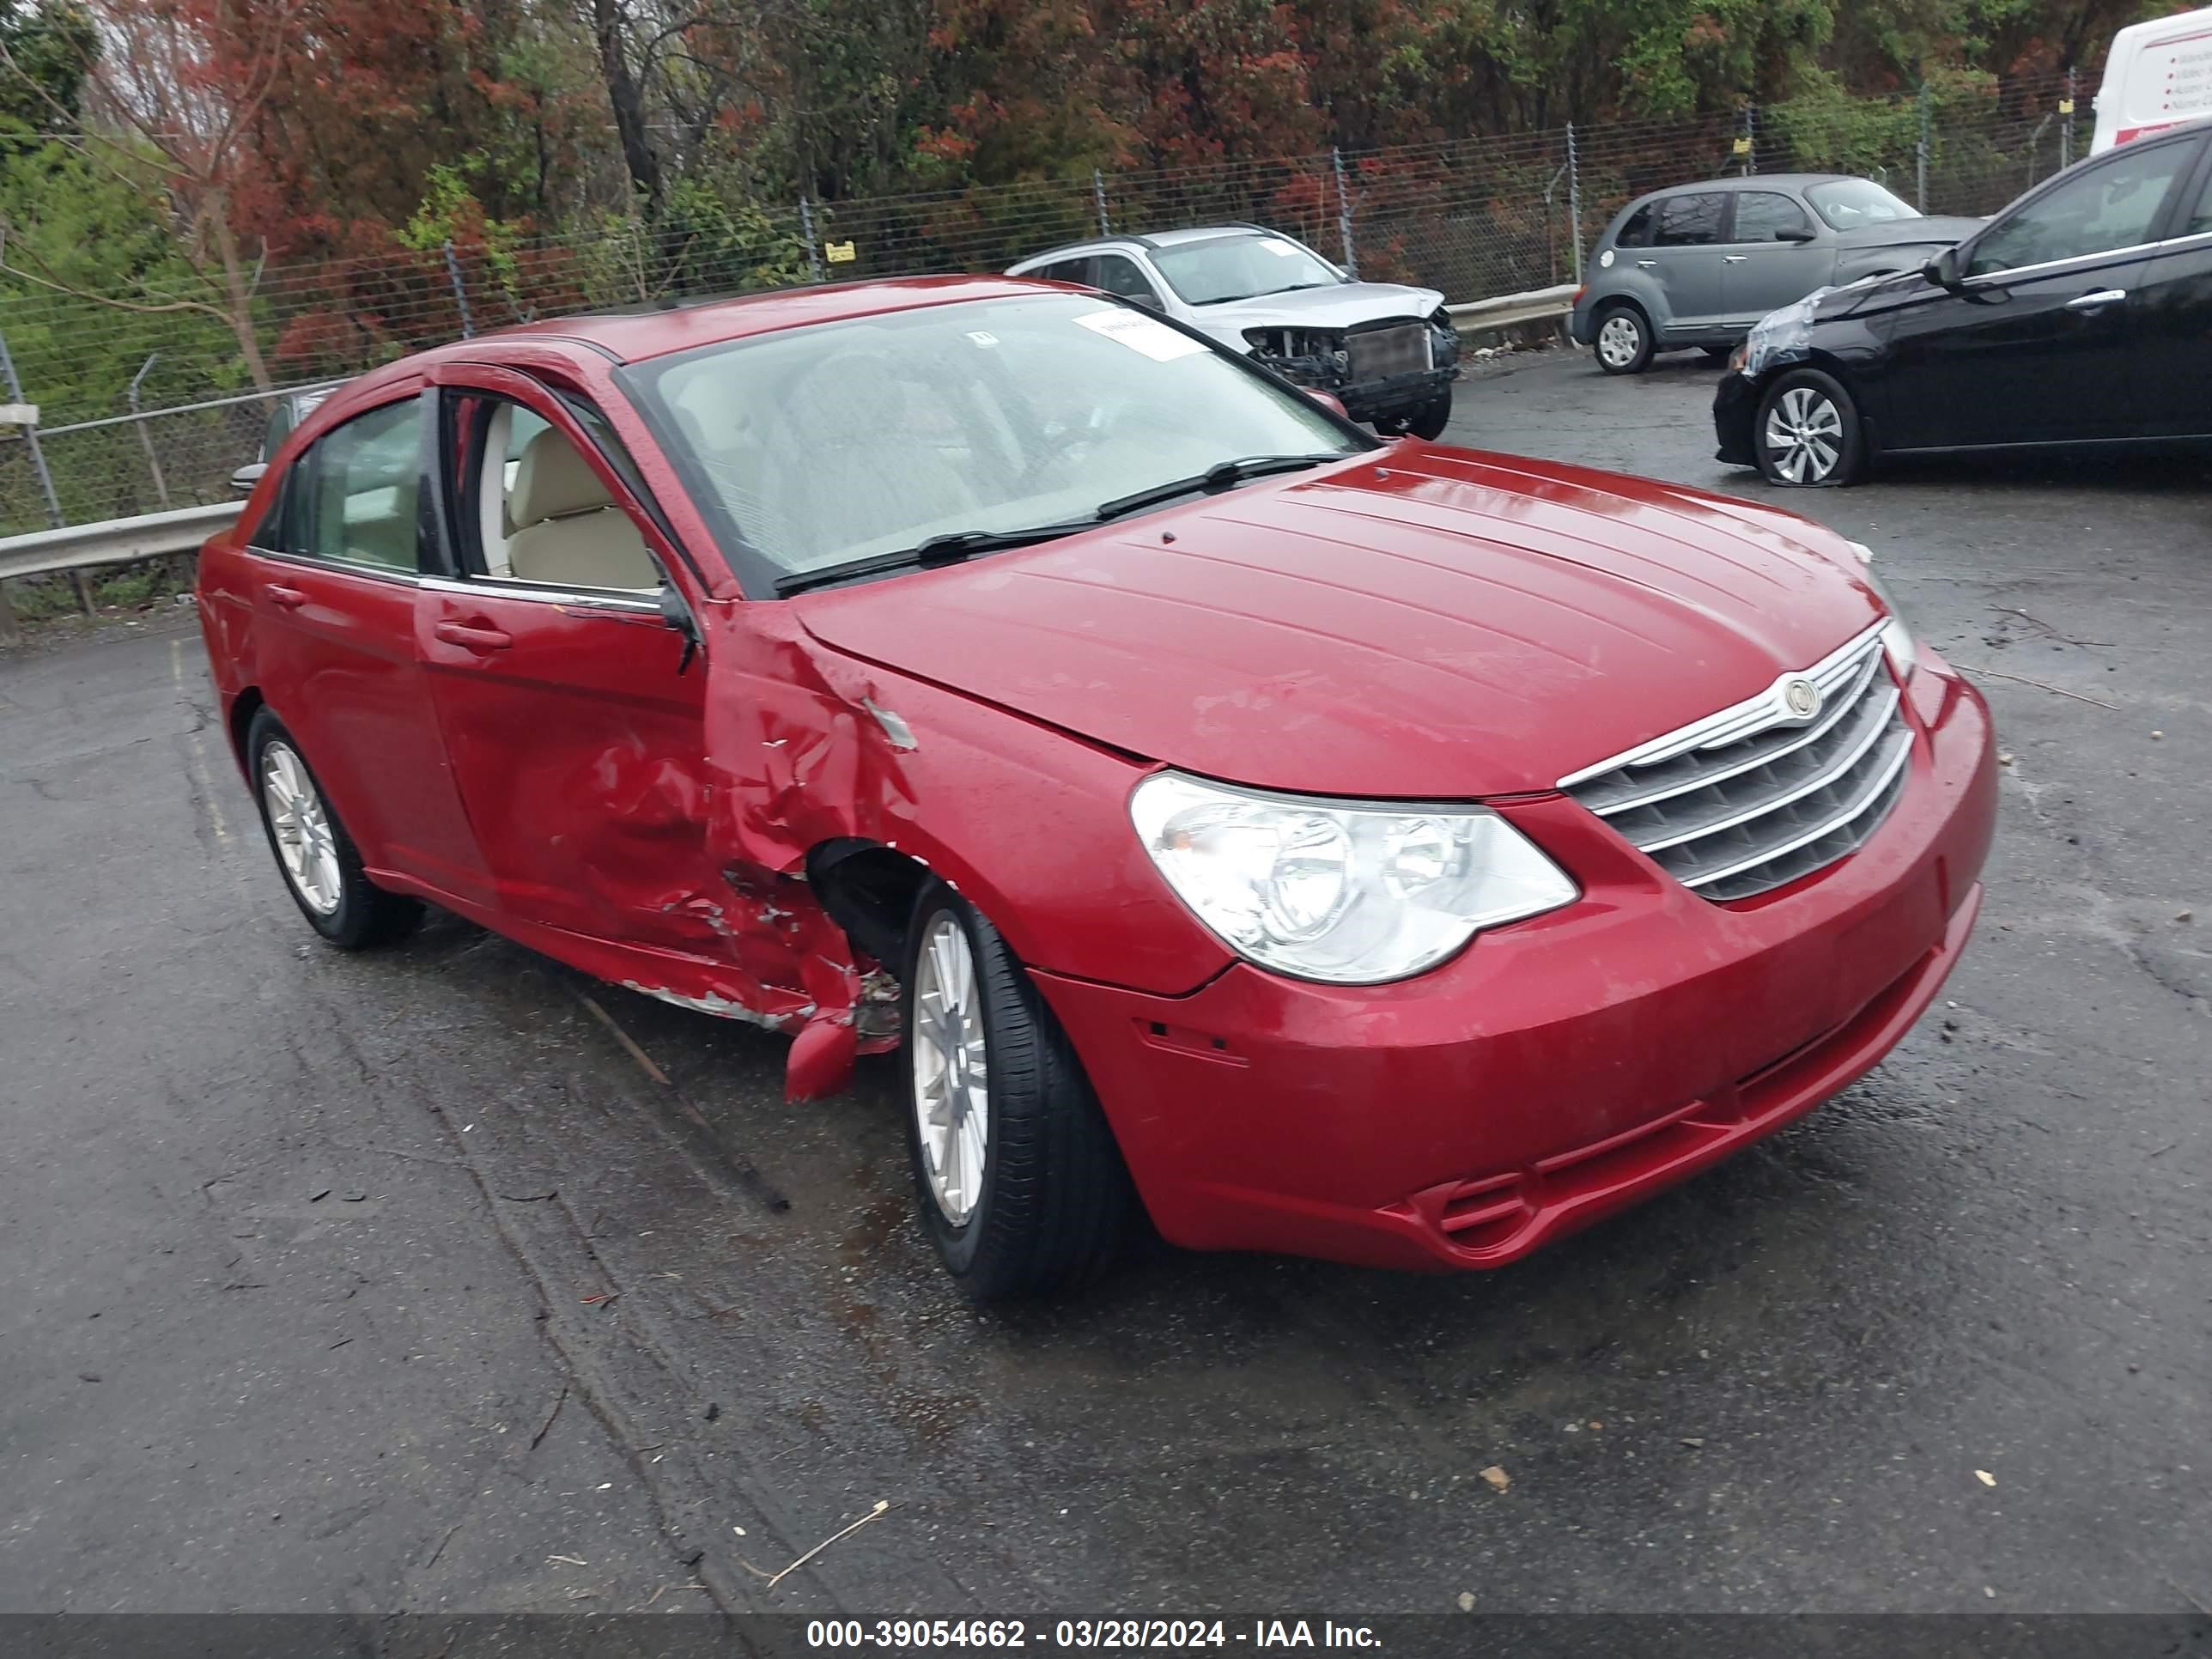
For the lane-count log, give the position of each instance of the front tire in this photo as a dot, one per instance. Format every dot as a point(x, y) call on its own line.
point(1428, 422)
point(1807, 432)
point(320, 865)
point(1622, 340)
point(1018, 1179)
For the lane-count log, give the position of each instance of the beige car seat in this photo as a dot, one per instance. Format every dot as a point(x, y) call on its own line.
point(568, 530)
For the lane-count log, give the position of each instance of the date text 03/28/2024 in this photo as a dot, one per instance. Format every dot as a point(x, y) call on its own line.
point(896, 1634)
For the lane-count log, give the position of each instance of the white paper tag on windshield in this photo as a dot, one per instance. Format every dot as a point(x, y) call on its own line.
point(1141, 333)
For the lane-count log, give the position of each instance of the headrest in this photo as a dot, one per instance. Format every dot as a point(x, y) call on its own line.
point(553, 480)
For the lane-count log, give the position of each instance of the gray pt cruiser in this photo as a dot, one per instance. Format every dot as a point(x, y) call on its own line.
point(1698, 264)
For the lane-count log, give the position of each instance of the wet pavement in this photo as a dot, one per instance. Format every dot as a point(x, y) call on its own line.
point(444, 1278)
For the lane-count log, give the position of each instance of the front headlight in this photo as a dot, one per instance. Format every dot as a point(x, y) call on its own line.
point(1354, 892)
point(1896, 637)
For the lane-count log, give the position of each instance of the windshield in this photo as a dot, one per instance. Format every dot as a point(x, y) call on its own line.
point(814, 447)
point(1848, 204)
point(1238, 267)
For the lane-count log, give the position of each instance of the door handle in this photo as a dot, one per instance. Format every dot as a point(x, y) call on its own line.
point(290, 599)
point(2102, 297)
point(472, 638)
point(1647, 264)
point(1734, 258)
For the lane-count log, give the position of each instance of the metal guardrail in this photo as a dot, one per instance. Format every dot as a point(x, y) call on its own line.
point(118, 541)
point(1509, 310)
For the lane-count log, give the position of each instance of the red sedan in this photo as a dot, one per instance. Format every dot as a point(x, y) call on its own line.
point(1380, 851)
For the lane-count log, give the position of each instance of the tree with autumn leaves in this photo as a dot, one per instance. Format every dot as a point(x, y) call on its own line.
point(169, 158)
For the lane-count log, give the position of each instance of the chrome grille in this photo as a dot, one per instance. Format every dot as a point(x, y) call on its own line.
point(1752, 798)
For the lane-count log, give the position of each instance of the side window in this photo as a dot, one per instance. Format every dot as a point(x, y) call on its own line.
point(1067, 270)
point(2112, 204)
point(279, 428)
point(363, 483)
point(1690, 221)
point(270, 534)
point(1766, 216)
point(1637, 233)
point(1119, 275)
point(540, 513)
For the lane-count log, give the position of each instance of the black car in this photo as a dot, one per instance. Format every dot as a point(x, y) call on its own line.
point(2082, 314)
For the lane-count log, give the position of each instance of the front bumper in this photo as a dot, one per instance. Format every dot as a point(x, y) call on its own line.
point(1736, 412)
point(1559, 1070)
point(1401, 394)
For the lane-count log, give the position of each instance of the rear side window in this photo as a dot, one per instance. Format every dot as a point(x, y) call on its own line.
point(1690, 221)
point(1637, 233)
point(363, 481)
point(1067, 270)
point(1766, 216)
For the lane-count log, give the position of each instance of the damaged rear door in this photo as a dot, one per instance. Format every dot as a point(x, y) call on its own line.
point(572, 706)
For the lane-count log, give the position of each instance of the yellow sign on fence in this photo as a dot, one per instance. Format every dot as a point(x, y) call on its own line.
point(840, 254)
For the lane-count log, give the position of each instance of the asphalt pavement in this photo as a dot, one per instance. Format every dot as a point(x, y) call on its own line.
point(444, 1279)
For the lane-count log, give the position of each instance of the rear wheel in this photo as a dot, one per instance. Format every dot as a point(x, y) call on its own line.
point(1623, 340)
point(321, 866)
point(1017, 1176)
point(1806, 433)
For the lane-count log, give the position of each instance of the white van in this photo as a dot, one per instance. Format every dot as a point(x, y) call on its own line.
point(2158, 75)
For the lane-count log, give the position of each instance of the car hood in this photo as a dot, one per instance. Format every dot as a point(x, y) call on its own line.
point(1414, 622)
point(1931, 231)
point(1345, 306)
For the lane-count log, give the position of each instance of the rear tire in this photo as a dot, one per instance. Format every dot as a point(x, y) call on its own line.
point(1018, 1179)
point(1806, 433)
point(1622, 339)
point(320, 865)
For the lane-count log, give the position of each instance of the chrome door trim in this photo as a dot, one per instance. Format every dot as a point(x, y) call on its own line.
point(542, 593)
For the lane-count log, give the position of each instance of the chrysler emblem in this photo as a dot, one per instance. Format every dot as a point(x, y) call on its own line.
point(1801, 698)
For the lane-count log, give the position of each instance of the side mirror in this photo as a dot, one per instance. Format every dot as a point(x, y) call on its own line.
point(243, 480)
point(1793, 233)
point(1327, 400)
point(1942, 270)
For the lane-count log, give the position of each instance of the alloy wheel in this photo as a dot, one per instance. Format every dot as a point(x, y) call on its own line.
point(306, 843)
point(952, 1078)
point(1805, 434)
point(1619, 339)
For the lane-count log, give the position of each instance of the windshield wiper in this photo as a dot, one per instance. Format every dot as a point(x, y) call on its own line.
point(949, 549)
point(1219, 476)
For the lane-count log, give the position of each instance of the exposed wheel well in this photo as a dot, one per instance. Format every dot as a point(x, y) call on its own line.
point(869, 890)
point(242, 710)
point(1622, 302)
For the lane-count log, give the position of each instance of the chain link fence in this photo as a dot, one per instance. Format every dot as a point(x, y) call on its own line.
point(144, 411)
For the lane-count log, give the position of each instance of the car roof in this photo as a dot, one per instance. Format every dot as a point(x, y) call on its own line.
point(1125, 242)
point(639, 333)
point(1754, 181)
